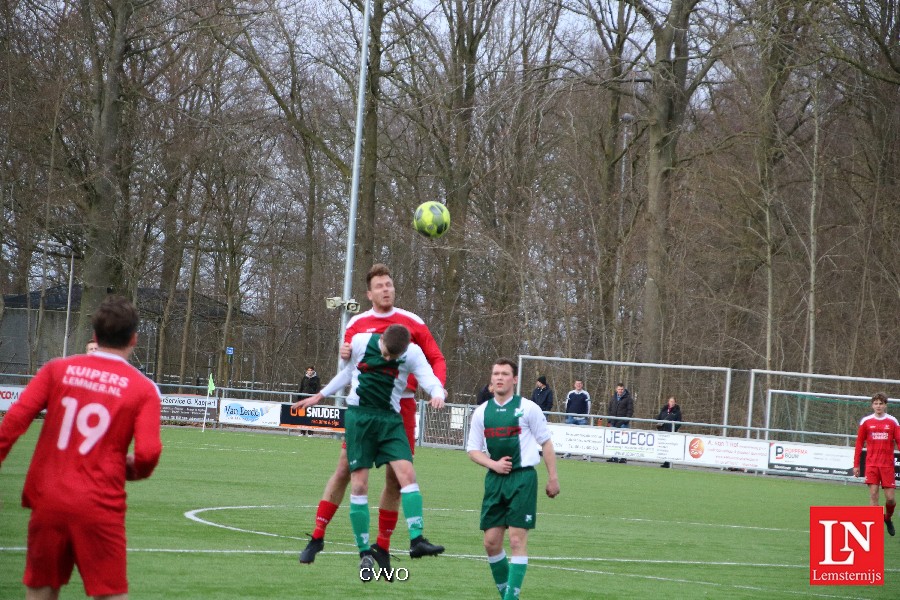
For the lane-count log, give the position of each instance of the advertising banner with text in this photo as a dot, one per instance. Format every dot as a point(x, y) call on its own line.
point(249, 412)
point(189, 408)
point(737, 453)
point(638, 444)
point(330, 418)
point(811, 458)
point(8, 395)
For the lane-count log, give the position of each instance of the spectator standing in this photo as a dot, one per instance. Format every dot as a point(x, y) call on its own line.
point(310, 384)
point(485, 393)
point(620, 405)
point(671, 413)
point(542, 394)
point(578, 402)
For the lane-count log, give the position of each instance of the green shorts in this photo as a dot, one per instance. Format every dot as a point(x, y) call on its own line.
point(510, 500)
point(374, 437)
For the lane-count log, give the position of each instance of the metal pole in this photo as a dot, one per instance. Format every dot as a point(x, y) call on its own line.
point(519, 381)
point(727, 403)
point(68, 304)
point(750, 401)
point(354, 183)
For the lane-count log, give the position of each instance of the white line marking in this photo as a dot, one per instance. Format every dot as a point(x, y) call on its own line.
point(531, 561)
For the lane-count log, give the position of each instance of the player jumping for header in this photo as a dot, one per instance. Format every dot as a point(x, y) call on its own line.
point(378, 371)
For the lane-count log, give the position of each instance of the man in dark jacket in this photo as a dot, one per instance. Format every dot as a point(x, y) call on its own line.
point(310, 384)
point(621, 405)
point(542, 394)
point(671, 414)
point(485, 394)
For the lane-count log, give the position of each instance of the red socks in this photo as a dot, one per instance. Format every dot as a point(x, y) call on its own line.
point(889, 510)
point(387, 520)
point(324, 515)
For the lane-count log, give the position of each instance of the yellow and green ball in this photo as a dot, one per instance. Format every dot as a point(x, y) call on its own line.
point(432, 219)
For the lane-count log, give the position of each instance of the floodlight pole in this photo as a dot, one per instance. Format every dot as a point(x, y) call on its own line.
point(68, 303)
point(354, 183)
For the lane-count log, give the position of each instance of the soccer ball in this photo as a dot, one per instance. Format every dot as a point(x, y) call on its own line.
point(432, 219)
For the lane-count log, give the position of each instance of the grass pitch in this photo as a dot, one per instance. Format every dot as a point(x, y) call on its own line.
point(227, 512)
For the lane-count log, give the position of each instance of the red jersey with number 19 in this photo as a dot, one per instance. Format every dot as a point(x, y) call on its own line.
point(96, 403)
point(880, 436)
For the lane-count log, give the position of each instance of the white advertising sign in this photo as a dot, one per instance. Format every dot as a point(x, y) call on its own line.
point(8, 395)
point(575, 439)
point(249, 412)
point(638, 444)
point(810, 458)
point(641, 444)
point(192, 401)
point(727, 452)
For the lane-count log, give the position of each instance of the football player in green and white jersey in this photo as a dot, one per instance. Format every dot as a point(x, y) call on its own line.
point(378, 369)
point(505, 435)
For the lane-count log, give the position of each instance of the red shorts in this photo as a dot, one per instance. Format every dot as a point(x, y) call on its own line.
point(408, 412)
point(57, 542)
point(881, 475)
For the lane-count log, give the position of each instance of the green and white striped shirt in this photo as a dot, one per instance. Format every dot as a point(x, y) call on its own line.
point(379, 383)
point(516, 429)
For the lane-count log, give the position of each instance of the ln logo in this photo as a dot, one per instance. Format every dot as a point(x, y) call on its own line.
point(846, 545)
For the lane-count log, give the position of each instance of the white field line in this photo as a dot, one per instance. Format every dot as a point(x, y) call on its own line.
point(534, 561)
point(531, 563)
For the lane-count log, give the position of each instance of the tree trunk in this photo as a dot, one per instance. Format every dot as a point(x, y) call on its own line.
point(104, 188)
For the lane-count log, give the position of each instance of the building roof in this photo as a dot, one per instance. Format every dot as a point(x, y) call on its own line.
point(150, 302)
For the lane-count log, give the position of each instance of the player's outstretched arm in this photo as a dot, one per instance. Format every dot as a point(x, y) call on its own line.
point(310, 401)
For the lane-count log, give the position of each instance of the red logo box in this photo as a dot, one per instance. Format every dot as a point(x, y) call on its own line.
point(846, 545)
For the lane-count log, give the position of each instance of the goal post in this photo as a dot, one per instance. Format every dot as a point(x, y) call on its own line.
point(702, 391)
point(785, 400)
point(815, 417)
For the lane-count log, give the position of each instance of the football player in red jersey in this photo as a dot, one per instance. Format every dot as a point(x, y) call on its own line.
point(380, 292)
point(880, 433)
point(96, 405)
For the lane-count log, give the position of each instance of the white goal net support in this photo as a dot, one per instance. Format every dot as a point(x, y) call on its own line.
point(811, 407)
point(817, 418)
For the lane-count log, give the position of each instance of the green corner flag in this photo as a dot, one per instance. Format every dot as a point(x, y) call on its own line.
point(211, 387)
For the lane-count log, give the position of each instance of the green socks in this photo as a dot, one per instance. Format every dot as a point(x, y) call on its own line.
point(500, 570)
point(411, 500)
point(517, 566)
point(359, 519)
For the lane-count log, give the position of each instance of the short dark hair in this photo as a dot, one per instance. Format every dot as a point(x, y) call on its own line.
point(395, 339)
point(880, 396)
point(377, 270)
point(620, 385)
point(506, 361)
point(115, 322)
